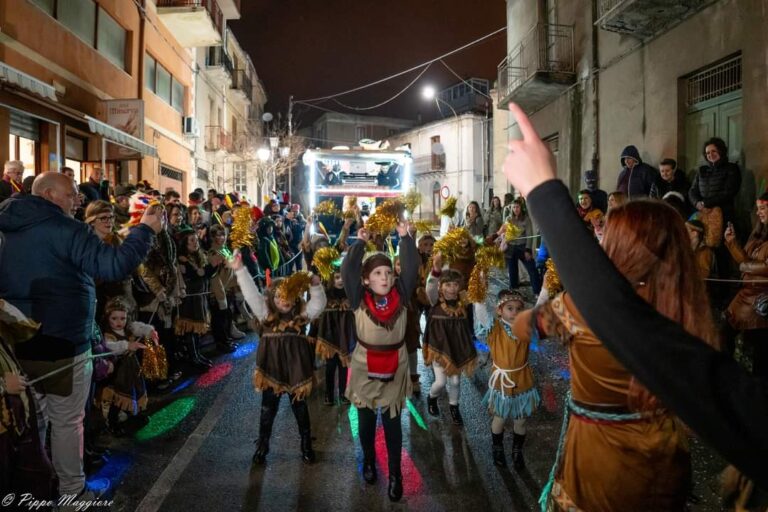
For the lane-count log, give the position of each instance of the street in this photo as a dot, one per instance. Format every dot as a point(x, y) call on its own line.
point(196, 452)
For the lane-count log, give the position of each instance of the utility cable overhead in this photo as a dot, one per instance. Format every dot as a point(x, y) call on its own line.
point(478, 91)
point(414, 68)
point(372, 107)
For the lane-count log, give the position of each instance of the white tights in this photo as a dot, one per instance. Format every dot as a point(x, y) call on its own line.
point(441, 380)
point(497, 425)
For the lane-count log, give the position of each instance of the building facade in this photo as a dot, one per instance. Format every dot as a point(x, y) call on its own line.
point(663, 76)
point(335, 129)
point(449, 159)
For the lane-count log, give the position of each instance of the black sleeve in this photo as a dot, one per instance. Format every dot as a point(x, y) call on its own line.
point(694, 195)
point(351, 271)
point(709, 391)
point(409, 267)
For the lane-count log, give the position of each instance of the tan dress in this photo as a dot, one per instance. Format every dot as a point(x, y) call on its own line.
point(371, 393)
point(753, 259)
point(609, 465)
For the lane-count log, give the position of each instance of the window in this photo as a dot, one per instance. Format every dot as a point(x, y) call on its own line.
point(163, 84)
point(361, 132)
point(149, 72)
point(177, 95)
point(240, 185)
point(46, 5)
point(75, 148)
point(111, 39)
point(438, 154)
point(79, 16)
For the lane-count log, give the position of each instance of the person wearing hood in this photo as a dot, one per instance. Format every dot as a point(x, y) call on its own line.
point(637, 179)
point(268, 252)
point(48, 270)
point(718, 182)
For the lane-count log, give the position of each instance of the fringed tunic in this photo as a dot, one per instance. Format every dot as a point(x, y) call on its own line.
point(511, 393)
point(285, 359)
point(335, 327)
point(448, 338)
point(127, 389)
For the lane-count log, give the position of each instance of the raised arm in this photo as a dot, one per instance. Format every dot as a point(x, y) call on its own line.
point(253, 298)
point(317, 301)
point(409, 264)
point(351, 272)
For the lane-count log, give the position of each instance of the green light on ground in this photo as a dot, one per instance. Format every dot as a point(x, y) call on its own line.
point(167, 418)
point(352, 413)
point(415, 414)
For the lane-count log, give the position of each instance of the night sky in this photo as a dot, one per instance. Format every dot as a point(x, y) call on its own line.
point(312, 48)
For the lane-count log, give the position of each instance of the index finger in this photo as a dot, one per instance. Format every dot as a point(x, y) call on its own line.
point(526, 128)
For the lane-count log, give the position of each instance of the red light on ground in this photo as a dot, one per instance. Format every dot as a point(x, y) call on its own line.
point(412, 481)
point(214, 375)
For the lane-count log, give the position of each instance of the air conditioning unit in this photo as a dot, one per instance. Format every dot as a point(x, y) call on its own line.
point(189, 126)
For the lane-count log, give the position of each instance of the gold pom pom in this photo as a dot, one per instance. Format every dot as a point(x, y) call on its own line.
point(489, 256)
point(350, 208)
point(453, 244)
point(323, 261)
point(449, 210)
point(512, 232)
point(241, 235)
point(290, 288)
point(386, 217)
point(412, 200)
point(327, 207)
point(477, 286)
point(552, 279)
point(154, 363)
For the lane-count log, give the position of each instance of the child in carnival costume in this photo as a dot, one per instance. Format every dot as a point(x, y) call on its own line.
point(511, 393)
point(448, 340)
point(285, 358)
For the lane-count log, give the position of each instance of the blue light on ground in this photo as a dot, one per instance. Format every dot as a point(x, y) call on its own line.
point(183, 385)
point(111, 474)
point(244, 350)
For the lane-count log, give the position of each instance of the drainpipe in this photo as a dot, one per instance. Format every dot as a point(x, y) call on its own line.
point(595, 93)
point(140, 87)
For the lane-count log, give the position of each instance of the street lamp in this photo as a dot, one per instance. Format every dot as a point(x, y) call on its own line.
point(428, 92)
point(264, 154)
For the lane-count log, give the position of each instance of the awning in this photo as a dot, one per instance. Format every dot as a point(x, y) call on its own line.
point(20, 79)
point(120, 137)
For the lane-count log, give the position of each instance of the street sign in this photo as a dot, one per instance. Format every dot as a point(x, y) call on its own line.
point(445, 192)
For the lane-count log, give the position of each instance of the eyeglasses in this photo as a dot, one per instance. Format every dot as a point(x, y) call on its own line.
point(106, 218)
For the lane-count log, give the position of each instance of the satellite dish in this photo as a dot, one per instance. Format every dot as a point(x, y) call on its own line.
point(438, 149)
point(267, 117)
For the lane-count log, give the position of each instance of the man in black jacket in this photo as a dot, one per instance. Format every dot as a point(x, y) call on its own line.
point(96, 187)
point(637, 179)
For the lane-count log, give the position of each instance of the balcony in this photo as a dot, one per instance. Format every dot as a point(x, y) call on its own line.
point(194, 23)
point(218, 64)
point(217, 139)
point(538, 69)
point(645, 19)
point(242, 85)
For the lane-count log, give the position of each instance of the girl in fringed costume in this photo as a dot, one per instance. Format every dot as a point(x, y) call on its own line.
point(334, 332)
point(285, 359)
point(448, 340)
point(511, 393)
point(194, 317)
point(379, 363)
point(126, 390)
point(620, 448)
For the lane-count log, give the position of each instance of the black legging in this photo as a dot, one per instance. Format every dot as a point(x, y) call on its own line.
point(331, 366)
point(393, 435)
point(270, 403)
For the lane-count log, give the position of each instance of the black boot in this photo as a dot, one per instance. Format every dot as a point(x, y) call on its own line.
point(269, 404)
point(369, 470)
point(395, 489)
point(199, 363)
point(517, 451)
point(432, 407)
point(498, 450)
point(301, 411)
point(456, 415)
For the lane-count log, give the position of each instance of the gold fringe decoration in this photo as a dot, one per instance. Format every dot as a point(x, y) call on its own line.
point(185, 326)
point(325, 350)
point(512, 232)
point(241, 235)
point(423, 226)
point(485, 258)
point(124, 402)
point(449, 210)
point(412, 200)
point(433, 356)
point(154, 362)
point(552, 279)
point(290, 288)
point(323, 260)
point(452, 244)
point(327, 207)
point(261, 381)
point(386, 217)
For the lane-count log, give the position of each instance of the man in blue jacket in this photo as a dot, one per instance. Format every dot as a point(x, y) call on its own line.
point(48, 269)
point(637, 179)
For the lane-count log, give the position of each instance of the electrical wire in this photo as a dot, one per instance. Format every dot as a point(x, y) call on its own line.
point(414, 68)
point(465, 81)
point(388, 100)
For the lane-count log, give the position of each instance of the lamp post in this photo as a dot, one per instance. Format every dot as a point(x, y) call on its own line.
point(429, 93)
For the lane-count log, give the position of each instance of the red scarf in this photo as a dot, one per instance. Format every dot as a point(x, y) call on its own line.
point(382, 363)
point(385, 310)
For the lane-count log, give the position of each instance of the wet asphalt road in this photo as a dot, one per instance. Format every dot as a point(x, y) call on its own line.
point(196, 452)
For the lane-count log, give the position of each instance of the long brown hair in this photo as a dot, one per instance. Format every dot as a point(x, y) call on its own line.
point(648, 243)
